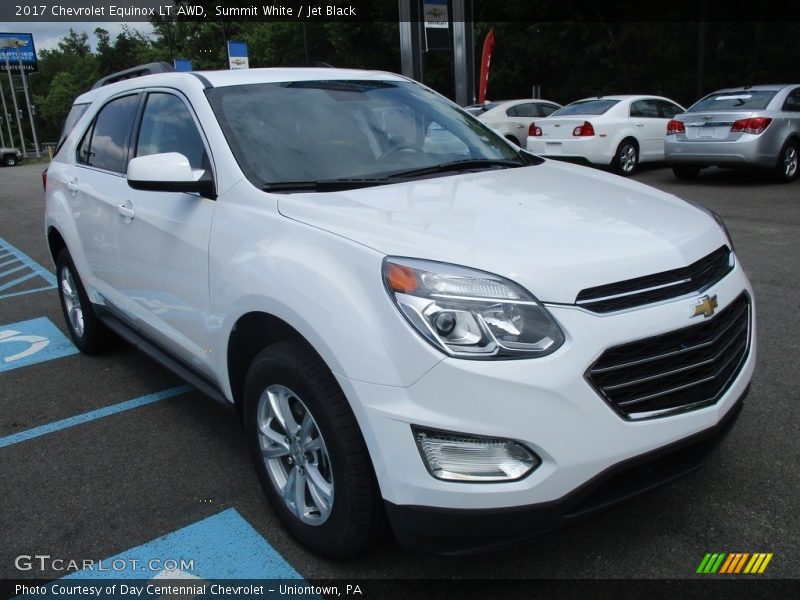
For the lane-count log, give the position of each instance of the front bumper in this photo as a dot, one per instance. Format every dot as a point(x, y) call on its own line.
point(454, 531)
point(545, 404)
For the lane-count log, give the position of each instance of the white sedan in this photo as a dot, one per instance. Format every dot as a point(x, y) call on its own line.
point(510, 118)
point(615, 131)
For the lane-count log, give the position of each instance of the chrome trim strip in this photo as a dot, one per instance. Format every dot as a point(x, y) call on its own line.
point(634, 292)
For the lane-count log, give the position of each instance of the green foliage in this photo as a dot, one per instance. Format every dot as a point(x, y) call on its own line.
point(569, 60)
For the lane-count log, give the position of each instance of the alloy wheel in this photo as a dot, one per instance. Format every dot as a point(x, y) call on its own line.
point(72, 302)
point(627, 158)
point(295, 455)
point(790, 159)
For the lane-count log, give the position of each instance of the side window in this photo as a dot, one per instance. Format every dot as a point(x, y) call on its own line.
point(105, 144)
point(645, 109)
point(512, 112)
point(527, 110)
point(168, 126)
point(792, 103)
point(547, 109)
point(668, 109)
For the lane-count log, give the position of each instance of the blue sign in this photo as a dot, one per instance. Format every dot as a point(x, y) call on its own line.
point(30, 342)
point(237, 55)
point(182, 64)
point(14, 46)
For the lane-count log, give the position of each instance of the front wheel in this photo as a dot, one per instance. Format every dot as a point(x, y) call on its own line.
point(9, 160)
point(308, 452)
point(786, 170)
point(626, 159)
point(88, 333)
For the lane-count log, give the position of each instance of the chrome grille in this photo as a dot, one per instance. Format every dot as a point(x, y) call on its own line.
point(676, 371)
point(662, 286)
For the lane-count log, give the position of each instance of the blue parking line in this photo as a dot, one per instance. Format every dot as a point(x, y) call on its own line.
point(223, 546)
point(92, 415)
point(8, 250)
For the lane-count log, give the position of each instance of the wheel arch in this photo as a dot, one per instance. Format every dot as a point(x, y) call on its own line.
point(55, 242)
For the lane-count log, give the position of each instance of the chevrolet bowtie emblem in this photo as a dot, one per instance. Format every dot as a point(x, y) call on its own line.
point(705, 306)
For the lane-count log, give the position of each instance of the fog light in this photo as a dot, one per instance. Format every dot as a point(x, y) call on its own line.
point(460, 457)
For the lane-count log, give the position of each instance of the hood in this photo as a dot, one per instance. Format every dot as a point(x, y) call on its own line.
point(553, 228)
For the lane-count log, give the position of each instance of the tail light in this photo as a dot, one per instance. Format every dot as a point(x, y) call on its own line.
point(753, 125)
point(674, 127)
point(44, 180)
point(534, 131)
point(584, 130)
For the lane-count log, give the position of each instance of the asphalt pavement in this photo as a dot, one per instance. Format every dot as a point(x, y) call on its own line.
point(117, 481)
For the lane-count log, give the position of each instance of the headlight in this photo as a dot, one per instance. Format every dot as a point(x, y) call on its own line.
point(469, 313)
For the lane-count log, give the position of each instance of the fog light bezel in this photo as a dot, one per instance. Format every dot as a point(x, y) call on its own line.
point(444, 433)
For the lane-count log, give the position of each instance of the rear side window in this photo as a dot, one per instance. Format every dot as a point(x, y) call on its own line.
point(168, 126)
point(792, 103)
point(105, 144)
point(548, 109)
point(523, 110)
point(743, 100)
point(645, 109)
point(586, 107)
point(75, 113)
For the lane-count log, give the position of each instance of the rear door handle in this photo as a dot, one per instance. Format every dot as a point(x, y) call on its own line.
point(640, 124)
point(72, 185)
point(126, 211)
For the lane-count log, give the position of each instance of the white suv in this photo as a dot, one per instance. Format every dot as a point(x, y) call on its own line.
point(415, 319)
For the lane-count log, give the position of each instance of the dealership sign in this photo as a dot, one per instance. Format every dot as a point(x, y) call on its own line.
point(14, 46)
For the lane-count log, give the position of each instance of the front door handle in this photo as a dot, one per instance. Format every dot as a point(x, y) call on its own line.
point(126, 211)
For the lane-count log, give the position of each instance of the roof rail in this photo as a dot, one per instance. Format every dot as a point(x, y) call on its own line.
point(138, 71)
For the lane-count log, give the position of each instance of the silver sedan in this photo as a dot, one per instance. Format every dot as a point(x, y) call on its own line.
point(753, 126)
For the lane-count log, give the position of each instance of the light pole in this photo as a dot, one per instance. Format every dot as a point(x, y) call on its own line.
point(13, 97)
point(15, 43)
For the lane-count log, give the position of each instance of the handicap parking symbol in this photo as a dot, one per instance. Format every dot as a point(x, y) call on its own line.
point(31, 342)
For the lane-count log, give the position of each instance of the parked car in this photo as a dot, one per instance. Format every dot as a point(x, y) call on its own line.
point(477, 109)
point(10, 156)
point(416, 322)
point(615, 131)
point(750, 127)
point(510, 118)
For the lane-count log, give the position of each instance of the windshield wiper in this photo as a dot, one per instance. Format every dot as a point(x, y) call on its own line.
point(324, 185)
point(351, 183)
point(457, 165)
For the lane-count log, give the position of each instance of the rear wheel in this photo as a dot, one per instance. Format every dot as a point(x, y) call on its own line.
point(626, 159)
point(787, 170)
point(513, 140)
point(9, 160)
point(88, 332)
point(686, 173)
point(308, 452)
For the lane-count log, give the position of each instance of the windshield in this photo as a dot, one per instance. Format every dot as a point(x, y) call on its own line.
point(307, 131)
point(744, 100)
point(585, 107)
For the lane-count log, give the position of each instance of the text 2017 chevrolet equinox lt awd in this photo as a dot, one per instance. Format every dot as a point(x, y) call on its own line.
point(421, 326)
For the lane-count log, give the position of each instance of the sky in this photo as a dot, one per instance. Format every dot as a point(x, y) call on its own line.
point(47, 35)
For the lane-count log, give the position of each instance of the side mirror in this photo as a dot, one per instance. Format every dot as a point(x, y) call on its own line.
point(169, 172)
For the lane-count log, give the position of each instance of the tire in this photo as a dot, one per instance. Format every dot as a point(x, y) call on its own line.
point(9, 160)
point(88, 333)
point(342, 512)
point(513, 140)
point(686, 173)
point(787, 168)
point(626, 159)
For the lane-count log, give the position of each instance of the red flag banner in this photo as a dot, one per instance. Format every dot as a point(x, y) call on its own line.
point(486, 61)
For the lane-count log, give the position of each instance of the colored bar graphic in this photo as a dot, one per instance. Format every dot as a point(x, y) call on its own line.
point(733, 563)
